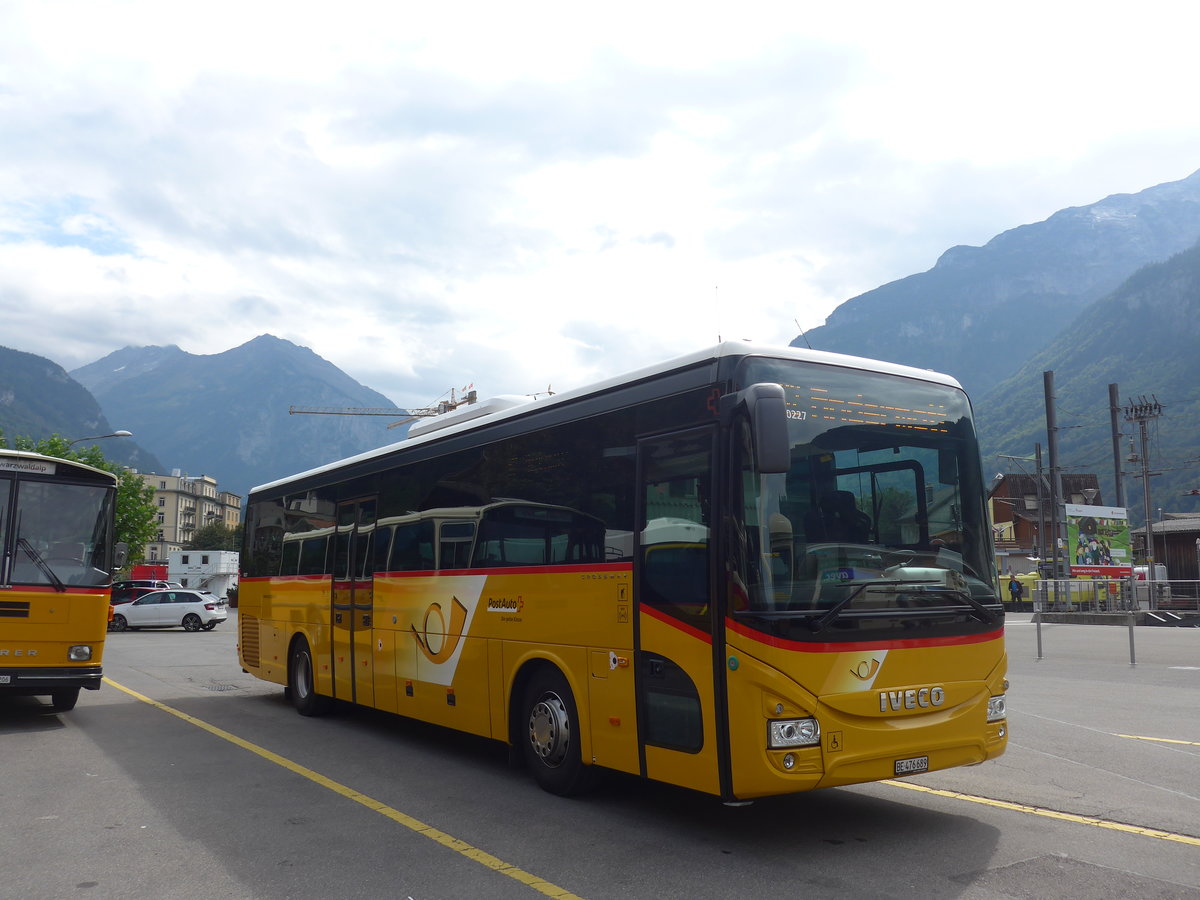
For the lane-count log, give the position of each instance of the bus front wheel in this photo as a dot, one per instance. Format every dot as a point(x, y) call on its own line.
point(302, 684)
point(550, 735)
point(64, 700)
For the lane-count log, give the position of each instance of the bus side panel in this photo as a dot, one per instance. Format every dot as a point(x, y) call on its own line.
point(383, 665)
point(613, 705)
point(578, 614)
point(443, 625)
point(286, 607)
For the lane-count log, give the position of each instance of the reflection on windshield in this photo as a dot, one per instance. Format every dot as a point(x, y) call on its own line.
point(60, 534)
point(884, 487)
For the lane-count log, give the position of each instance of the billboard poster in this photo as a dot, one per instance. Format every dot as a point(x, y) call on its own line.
point(1098, 541)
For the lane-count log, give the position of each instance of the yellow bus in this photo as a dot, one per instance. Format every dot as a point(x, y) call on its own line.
point(748, 571)
point(57, 539)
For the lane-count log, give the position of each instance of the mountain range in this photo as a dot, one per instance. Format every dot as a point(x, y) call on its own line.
point(981, 312)
point(227, 414)
point(1143, 337)
point(39, 398)
point(1102, 294)
point(1099, 294)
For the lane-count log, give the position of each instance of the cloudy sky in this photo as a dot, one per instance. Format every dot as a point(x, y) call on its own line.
point(532, 195)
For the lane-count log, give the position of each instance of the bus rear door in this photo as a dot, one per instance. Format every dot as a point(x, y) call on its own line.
point(353, 601)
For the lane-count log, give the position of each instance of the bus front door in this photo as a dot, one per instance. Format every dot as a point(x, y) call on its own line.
point(673, 635)
point(353, 602)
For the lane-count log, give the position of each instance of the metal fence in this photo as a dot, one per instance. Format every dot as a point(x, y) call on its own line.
point(1114, 595)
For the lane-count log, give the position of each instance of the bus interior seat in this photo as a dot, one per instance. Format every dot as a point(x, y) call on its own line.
point(837, 518)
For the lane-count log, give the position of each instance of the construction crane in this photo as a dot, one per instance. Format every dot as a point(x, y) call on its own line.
point(443, 406)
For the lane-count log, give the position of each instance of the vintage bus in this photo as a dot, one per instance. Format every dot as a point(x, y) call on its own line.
point(57, 538)
point(748, 571)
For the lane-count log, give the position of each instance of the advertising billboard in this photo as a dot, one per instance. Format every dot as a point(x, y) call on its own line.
point(1098, 541)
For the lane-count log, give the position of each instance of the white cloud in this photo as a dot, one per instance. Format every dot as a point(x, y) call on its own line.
point(534, 194)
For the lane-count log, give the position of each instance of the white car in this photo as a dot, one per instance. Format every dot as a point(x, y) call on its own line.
point(193, 610)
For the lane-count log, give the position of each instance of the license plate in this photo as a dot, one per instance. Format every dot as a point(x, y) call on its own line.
point(5, 679)
point(912, 766)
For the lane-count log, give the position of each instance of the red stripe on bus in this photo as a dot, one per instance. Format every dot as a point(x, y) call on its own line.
point(851, 646)
point(687, 629)
point(599, 568)
point(49, 589)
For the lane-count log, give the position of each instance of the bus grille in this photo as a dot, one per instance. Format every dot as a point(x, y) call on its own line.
point(14, 609)
point(249, 640)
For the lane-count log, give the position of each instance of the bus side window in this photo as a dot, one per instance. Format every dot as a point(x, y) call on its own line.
point(289, 560)
point(412, 548)
point(506, 541)
point(312, 555)
point(455, 541)
point(380, 547)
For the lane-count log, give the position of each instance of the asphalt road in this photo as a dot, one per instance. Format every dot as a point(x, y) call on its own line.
point(184, 777)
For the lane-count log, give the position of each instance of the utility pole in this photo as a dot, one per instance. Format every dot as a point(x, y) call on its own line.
point(1114, 407)
point(1040, 488)
point(1055, 483)
point(1142, 412)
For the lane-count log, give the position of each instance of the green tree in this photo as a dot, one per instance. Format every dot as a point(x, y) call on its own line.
point(136, 514)
point(216, 536)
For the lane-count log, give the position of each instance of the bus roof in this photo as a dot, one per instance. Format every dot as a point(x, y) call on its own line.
point(27, 461)
point(497, 409)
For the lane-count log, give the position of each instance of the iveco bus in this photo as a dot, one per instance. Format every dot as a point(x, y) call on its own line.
point(747, 571)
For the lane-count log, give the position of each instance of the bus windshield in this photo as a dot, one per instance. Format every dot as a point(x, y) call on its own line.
point(59, 534)
point(880, 512)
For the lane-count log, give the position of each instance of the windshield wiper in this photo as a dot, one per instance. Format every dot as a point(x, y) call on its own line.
point(41, 564)
point(903, 586)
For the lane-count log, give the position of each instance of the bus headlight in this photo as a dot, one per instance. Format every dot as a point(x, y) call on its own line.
point(783, 733)
point(79, 653)
point(997, 709)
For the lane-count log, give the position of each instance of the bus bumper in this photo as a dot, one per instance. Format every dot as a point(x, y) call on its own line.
point(44, 680)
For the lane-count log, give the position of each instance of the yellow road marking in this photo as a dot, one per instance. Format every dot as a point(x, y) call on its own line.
point(472, 853)
point(1051, 814)
point(1142, 737)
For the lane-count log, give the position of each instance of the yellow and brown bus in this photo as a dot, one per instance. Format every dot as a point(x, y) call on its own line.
point(57, 539)
point(748, 571)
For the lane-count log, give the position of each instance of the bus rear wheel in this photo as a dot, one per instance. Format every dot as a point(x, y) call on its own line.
point(302, 684)
point(550, 732)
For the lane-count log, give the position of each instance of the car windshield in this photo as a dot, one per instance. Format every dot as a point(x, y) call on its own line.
point(881, 508)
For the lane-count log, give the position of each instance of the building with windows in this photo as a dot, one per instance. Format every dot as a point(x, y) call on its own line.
point(1021, 517)
point(185, 503)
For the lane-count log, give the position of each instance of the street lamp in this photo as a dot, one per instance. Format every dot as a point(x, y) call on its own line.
point(99, 437)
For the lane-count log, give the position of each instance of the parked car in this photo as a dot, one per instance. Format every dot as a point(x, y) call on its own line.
point(193, 610)
point(124, 591)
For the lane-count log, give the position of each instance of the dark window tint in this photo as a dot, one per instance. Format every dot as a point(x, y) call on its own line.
point(455, 542)
point(412, 549)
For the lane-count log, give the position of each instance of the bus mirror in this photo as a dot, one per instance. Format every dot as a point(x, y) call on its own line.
point(947, 467)
point(120, 555)
point(768, 422)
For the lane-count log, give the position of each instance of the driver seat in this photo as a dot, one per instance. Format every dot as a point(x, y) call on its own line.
point(836, 518)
